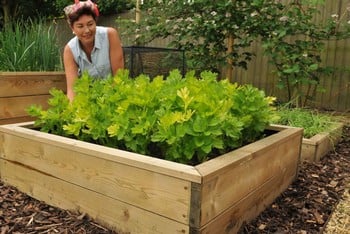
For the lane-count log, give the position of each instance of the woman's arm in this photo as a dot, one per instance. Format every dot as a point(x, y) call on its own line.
point(71, 70)
point(115, 50)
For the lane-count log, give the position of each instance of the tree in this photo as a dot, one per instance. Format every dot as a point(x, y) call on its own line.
point(213, 33)
point(295, 44)
point(217, 34)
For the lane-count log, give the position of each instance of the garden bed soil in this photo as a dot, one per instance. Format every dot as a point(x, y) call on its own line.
point(305, 207)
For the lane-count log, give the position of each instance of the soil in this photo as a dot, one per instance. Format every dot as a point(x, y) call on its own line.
point(305, 207)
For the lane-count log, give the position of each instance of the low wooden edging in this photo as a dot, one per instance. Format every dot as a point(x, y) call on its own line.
point(316, 147)
point(134, 193)
point(19, 90)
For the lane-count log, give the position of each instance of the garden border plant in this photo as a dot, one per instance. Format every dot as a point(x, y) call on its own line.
point(185, 119)
point(29, 45)
point(311, 120)
point(322, 131)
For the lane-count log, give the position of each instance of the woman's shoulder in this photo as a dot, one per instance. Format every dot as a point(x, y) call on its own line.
point(112, 32)
point(101, 29)
point(104, 29)
point(73, 42)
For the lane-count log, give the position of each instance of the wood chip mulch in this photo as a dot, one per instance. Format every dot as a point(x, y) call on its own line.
point(20, 213)
point(313, 203)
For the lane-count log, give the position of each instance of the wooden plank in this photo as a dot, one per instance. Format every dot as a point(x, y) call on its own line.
point(14, 107)
point(113, 213)
point(316, 147)
point(251, 205)
point(14, 84)
point(209, 169)
point(235, 175)
point(16, 120)
point(19, 90)
point(98, 171)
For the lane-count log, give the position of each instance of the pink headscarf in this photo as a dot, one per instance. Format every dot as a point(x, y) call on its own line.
point(79, 4)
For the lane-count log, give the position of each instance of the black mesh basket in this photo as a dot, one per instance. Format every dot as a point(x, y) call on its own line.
point(153, 61)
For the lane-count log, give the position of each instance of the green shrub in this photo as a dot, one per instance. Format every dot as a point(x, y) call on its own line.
point(184, 119)
point(28, 45)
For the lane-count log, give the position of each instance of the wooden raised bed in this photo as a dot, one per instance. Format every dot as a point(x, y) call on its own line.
point(19, 90)
point(134, 193)
point(316, 147)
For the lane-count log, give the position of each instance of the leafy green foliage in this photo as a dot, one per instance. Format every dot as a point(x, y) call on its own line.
point(56, 117)
point(105, 6)
point(184, 119)
point(22, 9)
point(312, 121)
point(29, 45)
point(295, 44)
point(201, 28)
point(291, 37)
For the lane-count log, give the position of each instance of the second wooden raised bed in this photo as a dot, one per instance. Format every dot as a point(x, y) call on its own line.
point(316, 147)
point(19, 90)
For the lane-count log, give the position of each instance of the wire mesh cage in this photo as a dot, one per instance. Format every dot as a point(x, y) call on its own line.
point(153, 61)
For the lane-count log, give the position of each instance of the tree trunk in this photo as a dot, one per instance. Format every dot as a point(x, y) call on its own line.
point(137, 17)
point(229, 67)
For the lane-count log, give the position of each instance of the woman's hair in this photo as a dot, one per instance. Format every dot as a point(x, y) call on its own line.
point(85, 10)
point(75, 11)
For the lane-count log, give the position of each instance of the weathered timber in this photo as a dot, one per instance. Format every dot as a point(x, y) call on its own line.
point(316, 147)
point(19, 90)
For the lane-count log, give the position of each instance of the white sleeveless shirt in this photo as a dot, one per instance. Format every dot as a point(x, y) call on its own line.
point(100, 65)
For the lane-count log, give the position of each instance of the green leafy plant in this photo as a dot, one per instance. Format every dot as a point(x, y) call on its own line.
point(218, 34)
point(202, 28)
point(295, 45)
point(184, 119)
point(29, 45)
point(105, 6)
point(16, 9)
point(313, 121)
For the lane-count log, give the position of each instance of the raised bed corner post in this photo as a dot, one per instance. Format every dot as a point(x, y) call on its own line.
point(229, 68)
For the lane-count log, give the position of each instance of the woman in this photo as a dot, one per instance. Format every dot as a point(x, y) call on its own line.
point(94, 49)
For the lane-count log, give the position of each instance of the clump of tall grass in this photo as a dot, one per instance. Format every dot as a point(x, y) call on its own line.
point(313, 121)
point(29, 45)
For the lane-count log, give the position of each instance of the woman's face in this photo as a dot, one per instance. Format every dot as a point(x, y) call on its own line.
point(85, 28)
